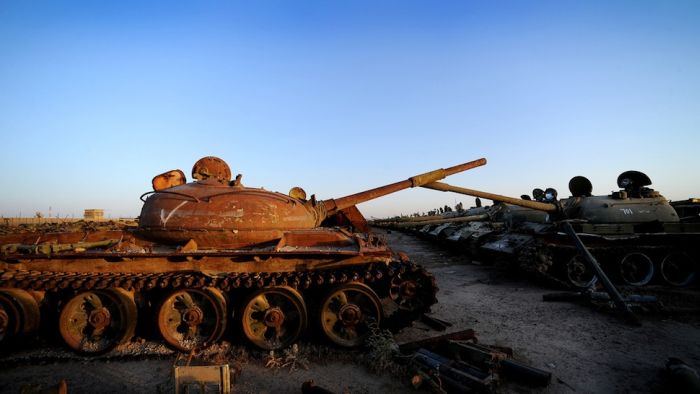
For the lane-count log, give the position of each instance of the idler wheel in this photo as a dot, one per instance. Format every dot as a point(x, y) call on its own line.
point(636, 269)
point(19, 314)
point(579, 274)
point(97, 321)
point(348, 312)
point(192, 318)
point(273, 318)
point(678, 269)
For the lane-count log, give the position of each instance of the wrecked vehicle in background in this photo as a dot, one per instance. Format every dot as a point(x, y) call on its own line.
point(635, 233)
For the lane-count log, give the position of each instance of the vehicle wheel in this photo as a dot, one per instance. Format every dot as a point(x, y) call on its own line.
point(19, 314)
point(96, 321)
point(273, 318)
point(192, 318)
point(678, 269)
point(636, 269)
point(348, 312)
point(579, 274)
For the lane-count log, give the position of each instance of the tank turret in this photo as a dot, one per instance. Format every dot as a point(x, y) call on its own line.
point(634, 204)
point(217, 212)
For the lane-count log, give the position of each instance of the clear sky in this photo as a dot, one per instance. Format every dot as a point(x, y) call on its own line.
point(339, 96)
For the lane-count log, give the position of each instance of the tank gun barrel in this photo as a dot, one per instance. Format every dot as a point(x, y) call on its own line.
point(540, 206)
point(333, 205)
point(413, 220)
point(460, 219)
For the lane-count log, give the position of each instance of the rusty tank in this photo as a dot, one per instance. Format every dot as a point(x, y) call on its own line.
point(635, 234)
point(211, 258)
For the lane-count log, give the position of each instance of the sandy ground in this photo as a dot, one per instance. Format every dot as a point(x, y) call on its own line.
point(586, 350)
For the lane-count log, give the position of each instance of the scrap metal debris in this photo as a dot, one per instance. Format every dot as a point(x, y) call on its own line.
point(457, 363)
point(205, 376)
point(435, 323)
point(429, 343)
point(202, 377)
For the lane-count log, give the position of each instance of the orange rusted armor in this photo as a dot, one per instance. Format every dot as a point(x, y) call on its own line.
point(211, 254)
point(215, 213)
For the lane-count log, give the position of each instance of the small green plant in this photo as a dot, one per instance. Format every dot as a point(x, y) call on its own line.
point(381, 349)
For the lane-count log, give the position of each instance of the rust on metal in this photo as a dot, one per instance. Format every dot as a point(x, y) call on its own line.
point(215, 214)
point(188, 319)
point(540, 206)
point(168, 179)
point(298, 193)
point(415, 181)
point(273, 318)
point(200, 377)
point(96, 321)
point(211, 168)
point(208, 250)
point(464, 335)
point(348, 312)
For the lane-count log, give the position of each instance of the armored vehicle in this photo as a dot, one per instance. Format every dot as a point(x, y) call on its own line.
point(635, 234)
point(476, 232)
point(211, 254)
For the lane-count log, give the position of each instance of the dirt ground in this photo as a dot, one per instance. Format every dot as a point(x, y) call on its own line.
point(586, 350)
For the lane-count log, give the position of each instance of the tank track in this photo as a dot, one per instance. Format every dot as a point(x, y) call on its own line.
point(379, 276)
point(538, 262)
point(54, 281)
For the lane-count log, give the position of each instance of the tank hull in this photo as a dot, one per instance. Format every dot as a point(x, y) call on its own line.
point(308, 263)
point(632, 253)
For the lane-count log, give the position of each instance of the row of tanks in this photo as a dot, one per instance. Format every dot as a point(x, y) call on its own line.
point(635, 233)
point(213, 256)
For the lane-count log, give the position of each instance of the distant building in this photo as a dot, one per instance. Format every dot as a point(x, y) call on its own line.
point(94, 214)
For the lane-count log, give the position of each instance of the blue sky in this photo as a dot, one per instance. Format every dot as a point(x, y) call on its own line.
point(96, 98)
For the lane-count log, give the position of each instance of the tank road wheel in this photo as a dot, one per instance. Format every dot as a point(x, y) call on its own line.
point(678, 269)
point(192, 318)
point(19, 314)
point(96, 321)
point(273, 318)
point(347, 313)
point(579, 274)
point(636, 269)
